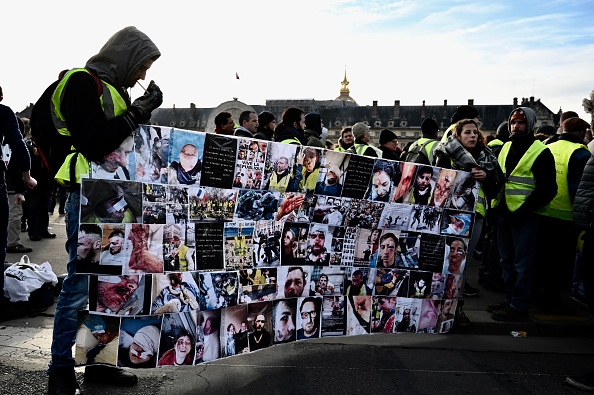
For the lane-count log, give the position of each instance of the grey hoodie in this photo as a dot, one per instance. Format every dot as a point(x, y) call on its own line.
point(122, 55)
point(530, 119)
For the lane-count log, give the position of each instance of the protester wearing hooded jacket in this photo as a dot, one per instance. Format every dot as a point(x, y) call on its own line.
point(96, 131)
point(530, 185)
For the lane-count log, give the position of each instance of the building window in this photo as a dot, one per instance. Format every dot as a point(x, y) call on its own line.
point(378, 124)
point(402, 134)
point(417, 135)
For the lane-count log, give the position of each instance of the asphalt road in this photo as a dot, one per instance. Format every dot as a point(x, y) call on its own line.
point(392, 364)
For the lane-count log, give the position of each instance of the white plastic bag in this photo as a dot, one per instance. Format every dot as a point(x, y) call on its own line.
point(24, 277)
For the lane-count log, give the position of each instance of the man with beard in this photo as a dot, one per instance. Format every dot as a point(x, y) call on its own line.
point(260, 337)
point(331, 185)
point(279, 180)
point(324, 287)
point(317, 254)
point(295, 282)
point(357, 287)
point(266, 126)
point(290, 130)
point(406, 324)
point(114, 291)
point(112, 253)
point(529, 168)
point(310, 318)
point(421, 193)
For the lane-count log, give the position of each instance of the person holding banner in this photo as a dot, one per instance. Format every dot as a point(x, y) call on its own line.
point(96, 131)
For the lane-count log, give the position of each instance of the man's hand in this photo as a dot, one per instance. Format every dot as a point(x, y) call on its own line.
point(145, 104)
point(19, 198)
point(29, 181)
point(289, 203)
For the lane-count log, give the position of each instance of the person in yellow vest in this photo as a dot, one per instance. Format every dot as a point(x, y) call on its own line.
point(530, 186)
point(306, 171)
point(465, 149)
point(290, 129)
point(184, 254)
point(556, 265)
point(421, 151)
point(97, 129)
point(362, 139)
point(346, 139)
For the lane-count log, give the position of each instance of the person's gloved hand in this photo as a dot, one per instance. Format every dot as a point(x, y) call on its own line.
point(145, 104)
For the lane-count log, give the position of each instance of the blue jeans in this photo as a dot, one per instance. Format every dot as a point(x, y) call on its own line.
point(74, 295)
point(517, 247)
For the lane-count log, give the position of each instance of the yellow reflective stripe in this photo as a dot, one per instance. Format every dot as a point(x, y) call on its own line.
point(518, 191)
point(520, 179)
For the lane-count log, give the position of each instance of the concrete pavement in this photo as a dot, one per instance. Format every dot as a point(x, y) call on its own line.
point(462, 361)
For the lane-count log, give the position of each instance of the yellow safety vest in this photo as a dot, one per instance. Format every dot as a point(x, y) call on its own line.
point(339, 149)
point(520, 183)
point(428, 148)
point(183, 261)
point(495, 143)
point(292, 140)
point(75, 164)
point(561, 206)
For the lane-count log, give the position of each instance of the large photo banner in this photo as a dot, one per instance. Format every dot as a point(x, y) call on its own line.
point(202, 246)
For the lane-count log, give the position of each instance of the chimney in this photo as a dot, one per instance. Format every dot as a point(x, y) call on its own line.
point(396, 109)
point(444, 115)
point(423, 111)
point(374, 109)
point(515, 102)
point(192, 105)
point(531, 101)
point(471, 102)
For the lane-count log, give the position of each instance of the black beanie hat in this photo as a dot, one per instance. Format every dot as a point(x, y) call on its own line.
point(313, 121)
point(429, 127)
point(464, 112)
point(265, 118)
point(387, 136)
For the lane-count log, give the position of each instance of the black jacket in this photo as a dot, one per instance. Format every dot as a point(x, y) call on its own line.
point(583, 205)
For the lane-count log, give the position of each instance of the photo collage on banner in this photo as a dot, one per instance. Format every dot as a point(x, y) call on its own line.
point(201, 246)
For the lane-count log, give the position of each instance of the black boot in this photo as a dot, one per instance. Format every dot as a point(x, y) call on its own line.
point(103, 373)
point(62, 381)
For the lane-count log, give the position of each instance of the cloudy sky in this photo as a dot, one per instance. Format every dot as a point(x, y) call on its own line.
point(409, 50)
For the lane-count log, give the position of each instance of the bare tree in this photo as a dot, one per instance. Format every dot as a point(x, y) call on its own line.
point(588, 105)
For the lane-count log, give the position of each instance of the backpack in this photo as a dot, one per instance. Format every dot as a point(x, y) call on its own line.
point(53, 147)
point(418, 150)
